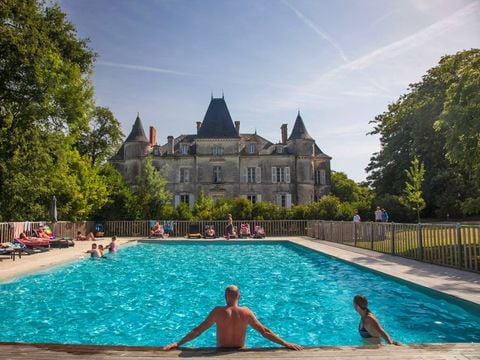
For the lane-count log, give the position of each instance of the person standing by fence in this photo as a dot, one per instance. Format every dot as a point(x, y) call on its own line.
point(378, 214)
point(384, 215)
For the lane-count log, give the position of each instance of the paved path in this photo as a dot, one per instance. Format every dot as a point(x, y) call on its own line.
point(451, 281)
point(76, 352)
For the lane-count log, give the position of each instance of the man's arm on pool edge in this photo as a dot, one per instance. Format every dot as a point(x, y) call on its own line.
point(208, 322)
point(268, 334)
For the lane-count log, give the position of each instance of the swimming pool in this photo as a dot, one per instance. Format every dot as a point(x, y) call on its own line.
point(153, 294)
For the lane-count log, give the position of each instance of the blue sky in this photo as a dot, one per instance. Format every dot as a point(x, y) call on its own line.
point(341, 62)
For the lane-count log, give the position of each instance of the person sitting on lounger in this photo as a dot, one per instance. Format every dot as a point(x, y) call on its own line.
point(210, 232)
point(232, 322)
point(369, 327)
point(157, 230)
point(94, 252)
point(259, 232)
point(82, 237)
point(168, 228)
point(42, 234)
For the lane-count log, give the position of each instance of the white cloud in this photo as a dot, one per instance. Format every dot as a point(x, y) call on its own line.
point(144, 68)
point(317, 30)
point(310, 92)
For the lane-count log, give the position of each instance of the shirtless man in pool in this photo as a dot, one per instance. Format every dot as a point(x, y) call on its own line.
point(232, 321)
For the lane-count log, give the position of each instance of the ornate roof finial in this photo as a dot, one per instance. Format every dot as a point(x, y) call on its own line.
point(298, 112)
point(138, 114)
point(223, 97)
point(212, 95)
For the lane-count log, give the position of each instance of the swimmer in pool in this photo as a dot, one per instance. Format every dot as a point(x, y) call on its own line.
point(369, 327)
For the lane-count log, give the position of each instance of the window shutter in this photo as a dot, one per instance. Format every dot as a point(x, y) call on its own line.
point(259, 197)
point(176, 200)
point(322, 177)
point(258, 174)
point(245, 174)
point(279, 199)
point(187, 175)
point(288, 201)
point(191, 200)
point(287, 174)
point(274, 174)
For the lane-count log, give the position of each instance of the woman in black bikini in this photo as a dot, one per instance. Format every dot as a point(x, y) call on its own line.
point(369, 327)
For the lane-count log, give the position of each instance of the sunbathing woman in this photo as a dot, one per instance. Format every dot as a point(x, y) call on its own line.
point(81, 237)
point(24, 236)
point(369, 327)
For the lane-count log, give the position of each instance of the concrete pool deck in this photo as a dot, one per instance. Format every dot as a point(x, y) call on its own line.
point(460, 284)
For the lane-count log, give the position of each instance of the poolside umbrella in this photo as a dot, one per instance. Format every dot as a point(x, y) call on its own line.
point(53, 210)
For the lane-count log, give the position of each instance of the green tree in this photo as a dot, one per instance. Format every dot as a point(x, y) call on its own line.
point(101, 139)
point(412, 198)
point(121, 202)
point(150, 190)
point(435, 121)
point(460, 122)
point(182, 212)
point(203, 207)
point(45, 101)
point(357, 196)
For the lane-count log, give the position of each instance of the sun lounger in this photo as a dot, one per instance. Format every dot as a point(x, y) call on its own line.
point(245, 230)
point(10, 251)
point(259, 232)
point(39, 245)
point(194, 232)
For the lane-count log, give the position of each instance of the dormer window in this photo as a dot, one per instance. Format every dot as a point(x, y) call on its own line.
point(252, 148)
point(217, 151)
point(279, 149)
point(184, 149)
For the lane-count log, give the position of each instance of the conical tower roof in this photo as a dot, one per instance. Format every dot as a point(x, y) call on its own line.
point(137, 133)
point(299, 130)
point(217, 122)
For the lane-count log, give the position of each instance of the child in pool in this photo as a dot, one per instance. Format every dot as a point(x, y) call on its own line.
point(112, 247)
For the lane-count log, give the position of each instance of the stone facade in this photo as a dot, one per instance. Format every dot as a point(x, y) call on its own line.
point(226, 163)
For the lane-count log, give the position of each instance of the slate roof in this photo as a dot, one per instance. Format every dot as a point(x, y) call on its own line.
point(217, 122)
point(137, 133)
point(299, 130)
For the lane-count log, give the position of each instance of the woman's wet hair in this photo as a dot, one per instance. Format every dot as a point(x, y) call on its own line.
point(361, 301)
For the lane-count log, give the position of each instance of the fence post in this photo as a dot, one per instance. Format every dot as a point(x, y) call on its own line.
point(459, 244)
point(420, 240)
point(393, 238)
point(372, 227)
point(355, 234)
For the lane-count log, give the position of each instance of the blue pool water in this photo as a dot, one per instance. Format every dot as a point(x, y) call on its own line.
point(153, 294)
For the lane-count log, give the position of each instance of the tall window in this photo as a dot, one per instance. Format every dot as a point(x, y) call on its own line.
point(284, 200)
point(217, 150)
point(251, 175)
point(184, 149)
point(280, 174)
point(252, 198)
point(320, 177)
point(252, 148)
point(185, 198)
point(217, 174)
point(184, 175)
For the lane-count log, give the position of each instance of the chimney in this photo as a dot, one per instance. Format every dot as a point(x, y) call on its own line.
point(153, 136)
point(199, 125)
point(170, 148)
point(284, 133)
point(237, 127)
